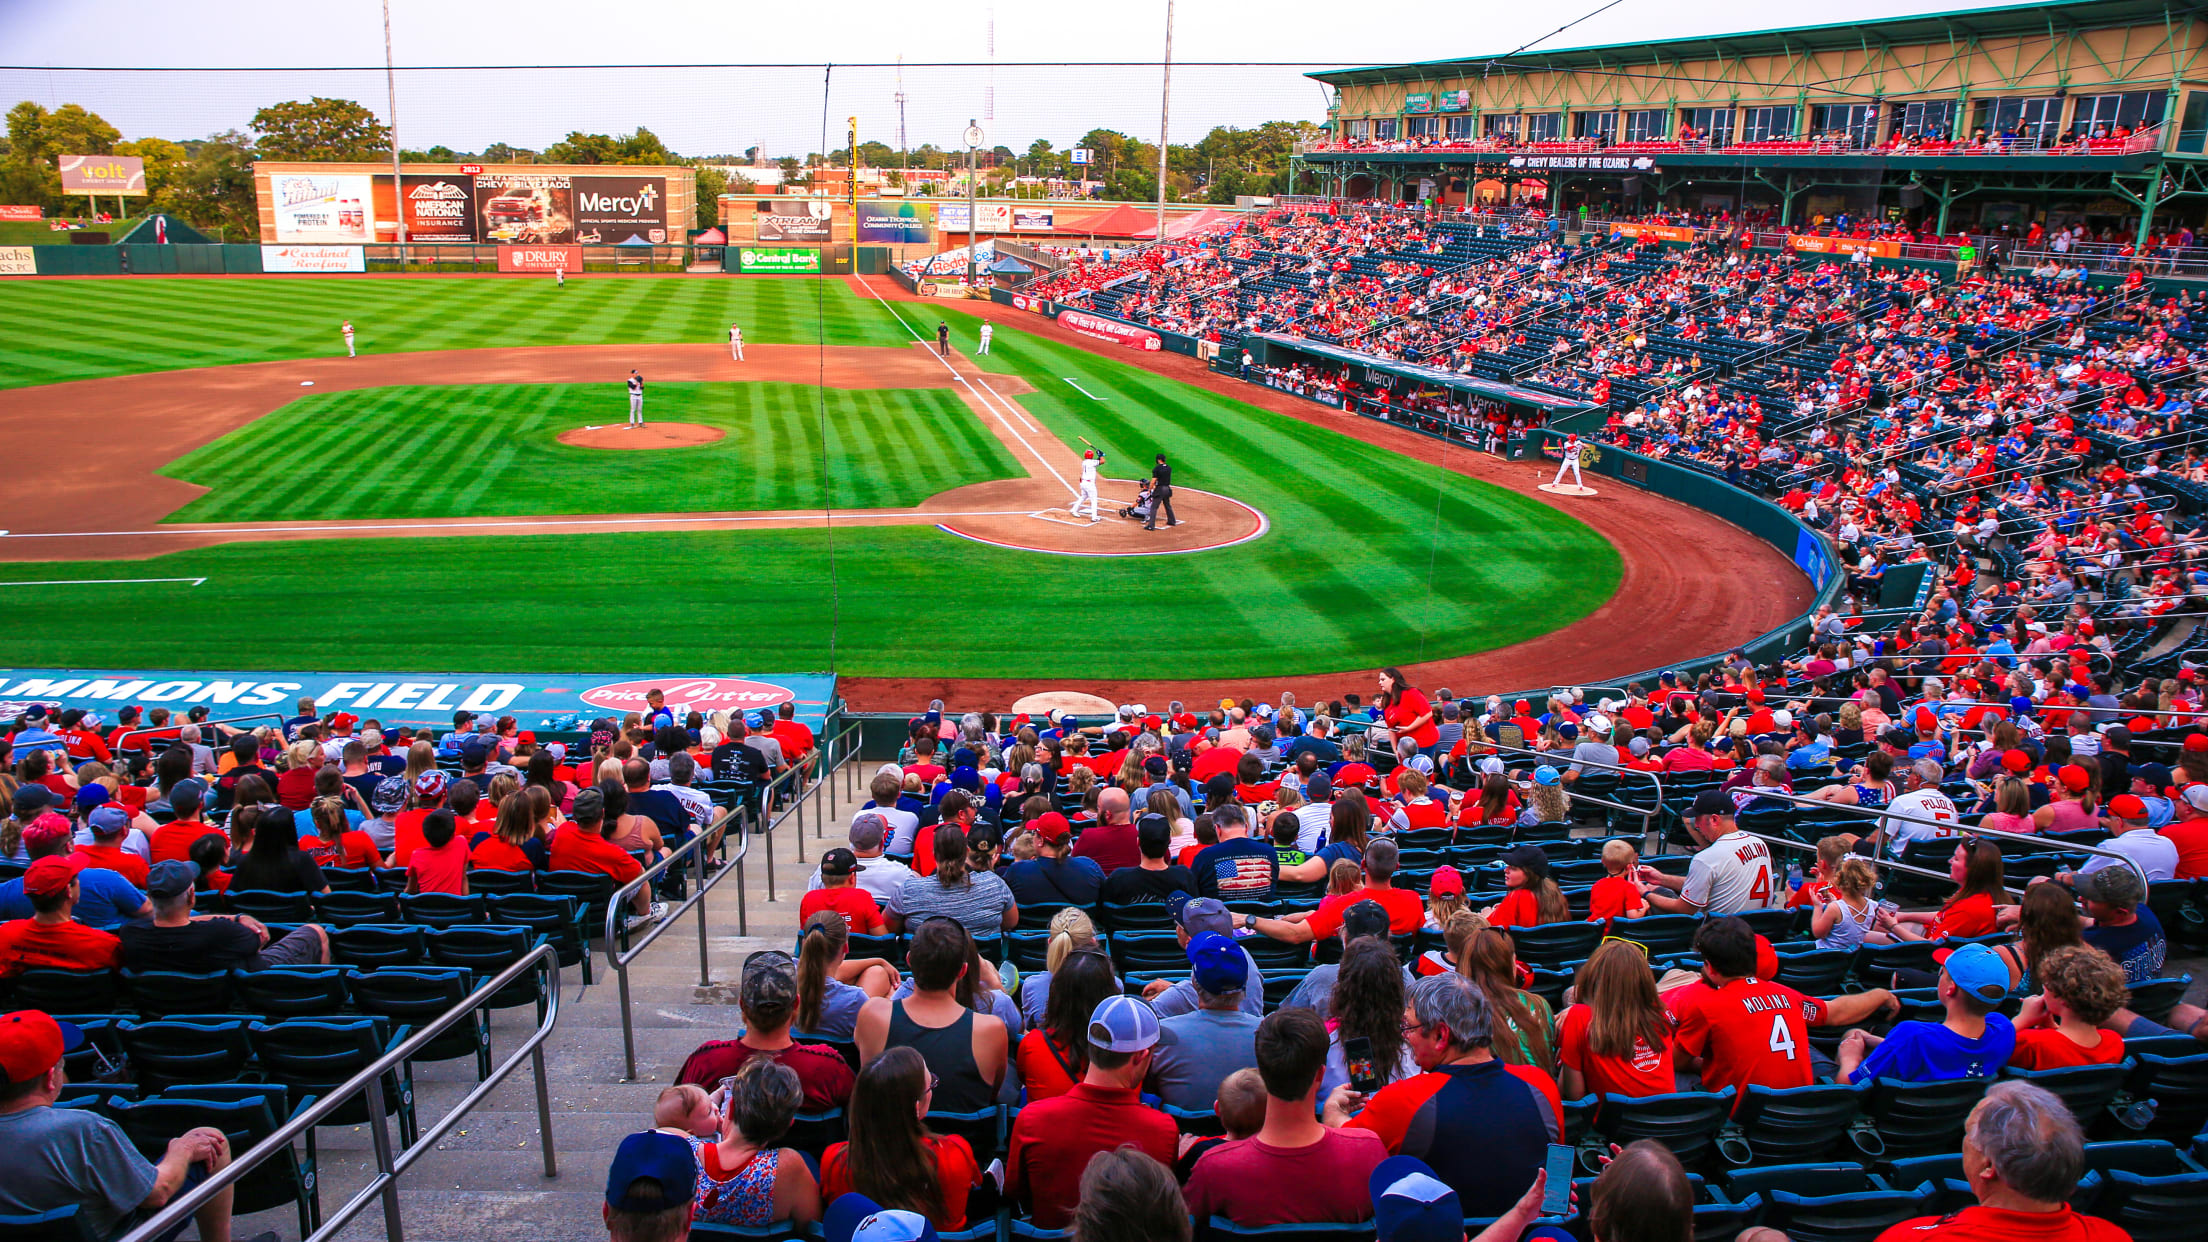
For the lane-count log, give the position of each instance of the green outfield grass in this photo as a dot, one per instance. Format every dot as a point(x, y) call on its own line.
point(492, 450)
point(52, 330)
point(1372, 558)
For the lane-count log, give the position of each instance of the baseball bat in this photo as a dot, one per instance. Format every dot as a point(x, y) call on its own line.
point(1084, 440)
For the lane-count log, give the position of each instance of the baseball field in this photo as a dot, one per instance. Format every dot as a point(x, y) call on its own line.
point(416, 507)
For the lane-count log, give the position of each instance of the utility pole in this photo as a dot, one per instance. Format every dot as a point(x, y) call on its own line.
point(973, 178)
point(391, 90)
point(1165, 114)
point(854, 187)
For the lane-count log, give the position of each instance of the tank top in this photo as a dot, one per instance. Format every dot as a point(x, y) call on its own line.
point(949, 1051)
point(742, 1197)
point(1847, 932)
point(2071, 816)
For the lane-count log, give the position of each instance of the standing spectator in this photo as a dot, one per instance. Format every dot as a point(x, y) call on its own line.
point(1197, 1050)
point(2023, 1154)
point(1294, 1170)
point(1056, 877)
point(967, 1050)
point(892, 1158)
point(1972, 1042)
point(1617, 1038)
point(651, 1188)
point(1729, 874)
point(1052, 1142)
point(978, 899)
point(744, 1179)
point(1484, 1127)
point(768, 998)
point(50, 937)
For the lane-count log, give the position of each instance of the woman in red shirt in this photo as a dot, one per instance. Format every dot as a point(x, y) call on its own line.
point(1054, 1054)
point(1496, 805)
point(892, 1158)
point(1617, 1038)
point(1408, 712)
point(1976, 869)
point(1534, 897)
point(514, 843)
point(295, 785)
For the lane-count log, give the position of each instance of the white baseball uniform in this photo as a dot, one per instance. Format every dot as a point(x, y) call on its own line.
point(1731, 874)
point(636, 401)
point(1088, 488)
point(1570, 462)
point(735, 342)
point(987, 331)
point(559, 277)
point(348, 331)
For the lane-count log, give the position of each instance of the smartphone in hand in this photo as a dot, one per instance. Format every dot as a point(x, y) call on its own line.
point(1556, 1197)
point(1357, 1058)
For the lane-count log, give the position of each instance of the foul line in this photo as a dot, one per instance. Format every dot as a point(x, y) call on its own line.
point(191, 531)
point(100, 581)
point(970, 388)
point(1085, 392)
point(1017, 412)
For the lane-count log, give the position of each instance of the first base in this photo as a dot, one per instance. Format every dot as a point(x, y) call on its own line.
point(1568, 489)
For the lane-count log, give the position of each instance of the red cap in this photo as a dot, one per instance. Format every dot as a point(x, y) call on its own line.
point(31, 1043)
point(2196, 741)
point(1152, 721)
point(1446, 880)
point(526, 736)
point(1767, 960)
point(2016, 760)
point(2127, 806)
point(1522, 706)
point(2186, 674)
point(1052, 827)
point(2074, 778)
point(48, 876)
point(343, 721)
point(49, 826)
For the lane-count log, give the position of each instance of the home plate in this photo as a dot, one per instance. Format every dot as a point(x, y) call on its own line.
point(1064, 517)
point(1568, 489)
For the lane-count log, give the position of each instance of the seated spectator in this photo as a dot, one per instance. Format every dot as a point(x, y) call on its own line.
point(1055, 876)
point(1239, 867)
point(891, 1156)
point(173, 938)
point(1241, 1110)
point(1111, 841)
point(1483, 1126)
point(977, 899)
point(1523, 1026)
point(1411, 1204)
point(2023, 1154)
point(1316, 992)
point(275, 863)
point(744, 1179)
point(333, 841)
point(581, 845)
point(1294, 1170)
point(1406, 914)
point(440, 865)
point(1366, 1009)
point(50, 937)
point(513, 843)
point(107, 900)
point(768, 998)
point(1053, 1142)
point(2066, 1024)
point(1128, 1195)
point(1617, 1038)
point(967, 1050)
point(1054, 1053)
point(74, 1157)
point(651, 1189)
point(1976, 870)
point(1197, 1050)
point(109, 824)
point(2119, 923)
point(1845, 917)
point(1196, 916)
point(1739, 1029)
point(1154, 879)
point(1617, 895)
point(832, 986)
point(880, 875)
point(1534, 897)
point(840, 870)
point(1729, 874)
point(174, 839)
point(1972, 1042)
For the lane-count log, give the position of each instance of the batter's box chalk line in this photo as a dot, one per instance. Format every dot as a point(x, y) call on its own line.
point(1063, 517)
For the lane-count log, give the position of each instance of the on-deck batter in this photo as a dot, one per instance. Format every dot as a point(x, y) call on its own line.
point(1570, 462)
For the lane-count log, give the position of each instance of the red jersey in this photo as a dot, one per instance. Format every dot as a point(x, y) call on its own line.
point(1426, 813)
point(1520, 909)
point(1647, 1072)
point(116, 859)
point(1614, 896)
point(173, 840)
point(440, 869)
point(69, 945)
point(1971, 916)
point(1979, 1223)
point(2046, 1048)
point(855, 904)
point(576, 850)
point(495, 853)
point(1750, 1033)
point(1406, 914)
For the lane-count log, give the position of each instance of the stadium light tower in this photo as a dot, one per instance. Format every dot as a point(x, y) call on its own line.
point(391, 109)
point(1165, 114)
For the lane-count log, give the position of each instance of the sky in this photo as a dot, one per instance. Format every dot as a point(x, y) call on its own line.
point(1034, 92)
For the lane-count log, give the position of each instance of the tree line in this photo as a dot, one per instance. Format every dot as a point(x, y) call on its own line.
point(208, 182)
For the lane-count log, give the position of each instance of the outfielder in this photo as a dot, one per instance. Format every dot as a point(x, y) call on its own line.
point(559, 278)
point(636, 399)
point(987, 330)
point(348, 331)
point(1091, 461)
point(735, 342)
point(1570, 462)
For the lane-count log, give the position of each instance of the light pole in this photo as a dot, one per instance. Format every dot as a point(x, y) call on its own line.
point(398, 183)
point(973, 145)
point(1165, 113)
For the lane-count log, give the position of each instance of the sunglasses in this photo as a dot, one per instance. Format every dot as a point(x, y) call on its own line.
point(1622, 940)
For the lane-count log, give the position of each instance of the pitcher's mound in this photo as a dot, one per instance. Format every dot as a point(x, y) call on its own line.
point(648, 436)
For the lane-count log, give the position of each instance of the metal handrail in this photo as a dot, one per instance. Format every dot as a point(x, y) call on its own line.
point(278, 717)
point(1648, 814)
point(831, 755)
point(384, 1185)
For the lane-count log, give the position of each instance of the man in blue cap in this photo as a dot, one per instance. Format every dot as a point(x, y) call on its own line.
point(1197, 1050)
point(651, 1189)
point(856, 1218)
point(1972, 1042)
point(1410, 1204)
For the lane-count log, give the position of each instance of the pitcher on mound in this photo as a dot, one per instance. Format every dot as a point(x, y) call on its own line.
point(1570, 462)
point(1091, 461)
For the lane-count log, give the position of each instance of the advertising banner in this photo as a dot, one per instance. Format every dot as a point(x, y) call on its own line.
point(1583, 163)
point(621, 211)
point(1111, 330)
point(1036, 219)
point(992, 217)
point(793, 220)
point(1418, 102)
point(439, 210)
point(18, 261)
point(103, 174)
point(535, 700)
point(313, 258)
point(540, 258)
point(1452, 101)
point(323, 207)
point(1662, 232)
point(895, 224)
point(1845, 245)
point(777, 261)
point(530, 209)
point(32, 212)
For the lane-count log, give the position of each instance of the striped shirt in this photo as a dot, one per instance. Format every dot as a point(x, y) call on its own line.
point(980, 904)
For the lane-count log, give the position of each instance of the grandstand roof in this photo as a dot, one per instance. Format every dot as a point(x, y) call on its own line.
point(2050, 16)
point(1553, 402)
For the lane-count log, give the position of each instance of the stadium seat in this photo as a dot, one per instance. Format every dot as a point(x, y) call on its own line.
point(1553, 944)
point(487, 951)
point(160, 993)
point(270, 907)
point(440, 910)
point(1794, 1125)
point(1815, 972)
point(495, 883)
point(2154, 998)
point(1662, 934)
point(350, 908)
point(779, 1231)
point(1875, 964)
point(170, 1051)
point(62, 1224)
point(1943, 1175)
point(314, 1056)
point(1221, 1227)
point(373, 945)
point(1687, 1122)
point(1027, 949)
point(1142, 916)
point(590, 889)
point(1162, 951)
point(1920, 1118)
point(2085, 1089)
point(1204, 1122)
point(350, 879)
point(418, 995)
point(1037, 917)
point(983, 1130)
point(291, 991)
point(553, 918)
point(815, 1132)
point(2177, 1087)
point(2151, 1190)
point(56, 990)
point(1830, 1202)
point(247, 1113)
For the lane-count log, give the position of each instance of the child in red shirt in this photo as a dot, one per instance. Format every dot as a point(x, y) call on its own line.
point(2062, 1027)
point(839, 891)
point(1617, 895)
point(440, 863)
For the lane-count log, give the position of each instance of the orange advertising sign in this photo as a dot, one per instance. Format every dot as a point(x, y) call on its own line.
point(1844, 246)
point(1661, 232)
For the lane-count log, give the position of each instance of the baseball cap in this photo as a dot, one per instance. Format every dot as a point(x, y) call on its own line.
point(1364, 918)
point(430, 784)
point(1052, 827)
point(187, 796)
point(49, 875)
point(1546, 775)
point(2196, 797)
point(1156, 765)
point(2156, 775)
point(1218, 964)
point(1712, 802)
point(1638, 746)
point(589, 804)
point(109, 820)
point(856, 1218)
point(171, 876)
point(1153, 832)
point(92, 795)
point(1526, 858)
point(1446, 879)
point(869, 830)
point(2016, 760)
point(36, 711)
point(343, 721)
point(2113, 886)
point(2074, 778)
point(2127, 806)
point(1203, 914)
point(1122, 1024)
point(474, 750)
point(1979, 971)
point(661, 1159)
point(390, 794)
point(32, 1042)
point(1410, 1204)
point(840, 862)
point(46, 827)
point(31, 799)
point(770, 982)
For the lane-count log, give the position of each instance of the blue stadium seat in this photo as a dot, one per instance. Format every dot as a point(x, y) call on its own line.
point(314, 1056)
point(1794, 1125)
point(173, 1051)
point(270, 907)
point(291, 991)
point(2151, 1190)
point(351, 907)
point(160, 993)
point(1687, 1122)
point(62, 1224)
point(1921, 1118)
point(2085, 1089)
point(418, 995)
point(1829, 1203)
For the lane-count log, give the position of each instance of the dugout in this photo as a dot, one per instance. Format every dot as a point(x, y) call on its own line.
point(1429, 399)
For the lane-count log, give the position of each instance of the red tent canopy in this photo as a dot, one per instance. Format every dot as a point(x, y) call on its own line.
point(1184, 226)
point(1124, 220)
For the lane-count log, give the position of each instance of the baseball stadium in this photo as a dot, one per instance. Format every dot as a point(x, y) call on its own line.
point(1592, 638)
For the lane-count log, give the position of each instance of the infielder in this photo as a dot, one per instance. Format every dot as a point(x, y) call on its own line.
point(1091, 461)
point(348, 331)
point(1570, 462)
point(735, 342)
point(987, 330)
point(636, 399)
